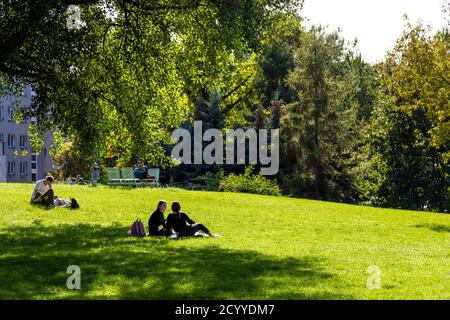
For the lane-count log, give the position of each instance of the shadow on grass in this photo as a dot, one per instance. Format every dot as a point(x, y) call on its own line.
point(434, 227)
point(34, 260)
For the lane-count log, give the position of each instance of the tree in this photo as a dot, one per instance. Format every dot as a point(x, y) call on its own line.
point(275, 113)
point(68, 163)
point(366, 86)
point(210, 113)
point(416, 75)
point(319, 129)
point(277, 58)
point(402, 169)
point(130, 75)
point(406, 148)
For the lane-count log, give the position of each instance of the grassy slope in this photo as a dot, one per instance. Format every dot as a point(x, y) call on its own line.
point(272, 248)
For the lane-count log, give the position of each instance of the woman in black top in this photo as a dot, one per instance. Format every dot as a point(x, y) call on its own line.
point(179, 222)
point(157, 219)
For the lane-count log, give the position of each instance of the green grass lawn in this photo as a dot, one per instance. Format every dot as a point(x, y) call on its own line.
point(272, 248)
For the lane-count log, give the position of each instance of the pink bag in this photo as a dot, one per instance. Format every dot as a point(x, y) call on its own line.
point(137, 229)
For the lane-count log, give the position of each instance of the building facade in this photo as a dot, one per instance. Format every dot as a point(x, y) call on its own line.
point(18, 162)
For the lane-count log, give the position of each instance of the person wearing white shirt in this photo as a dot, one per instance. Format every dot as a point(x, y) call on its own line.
point(43, 192)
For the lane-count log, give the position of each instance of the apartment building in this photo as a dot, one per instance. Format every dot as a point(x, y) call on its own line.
point(18, 162)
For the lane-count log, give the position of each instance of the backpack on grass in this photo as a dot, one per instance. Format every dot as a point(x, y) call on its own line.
point(137, 229)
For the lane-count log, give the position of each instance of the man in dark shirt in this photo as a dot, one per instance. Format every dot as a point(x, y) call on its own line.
point(179, 222)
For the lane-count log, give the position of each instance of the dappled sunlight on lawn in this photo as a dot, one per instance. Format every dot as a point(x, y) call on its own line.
point(271, 248)
point(117, 267)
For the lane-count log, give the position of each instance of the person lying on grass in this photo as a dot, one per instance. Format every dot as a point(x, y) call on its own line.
point(157, 220)
point(43, 192)
point(61, 202)
point(179, 222)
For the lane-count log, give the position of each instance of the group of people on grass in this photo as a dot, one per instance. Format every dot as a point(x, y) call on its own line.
point(77, 180)
point(177, 221)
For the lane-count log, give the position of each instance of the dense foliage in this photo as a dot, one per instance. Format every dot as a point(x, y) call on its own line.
point(131, 73)
point(407, 147)
point(250, 183)
point(320, 129)
point(68, 163)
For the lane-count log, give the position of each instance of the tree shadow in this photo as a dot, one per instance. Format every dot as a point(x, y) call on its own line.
point(34, 261)
point(434, 227)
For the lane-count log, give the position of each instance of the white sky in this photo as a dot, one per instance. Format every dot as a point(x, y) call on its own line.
point(376, 24)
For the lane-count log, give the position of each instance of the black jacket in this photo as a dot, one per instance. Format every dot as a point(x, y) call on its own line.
point(178, 221)
point(156, 220)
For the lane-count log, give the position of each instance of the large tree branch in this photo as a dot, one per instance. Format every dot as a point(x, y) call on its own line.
point(17, 71)
point(237, 87)
point(232, 105)
point(31, 17)
point(144, 5)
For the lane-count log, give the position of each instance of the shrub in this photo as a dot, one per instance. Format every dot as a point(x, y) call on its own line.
point(248, 183)
point(211, 181)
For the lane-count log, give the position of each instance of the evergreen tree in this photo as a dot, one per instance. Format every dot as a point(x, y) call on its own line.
point(319, 130)
point(275, 113)
point(209, 112)
point(260, 119)
point(366, 85)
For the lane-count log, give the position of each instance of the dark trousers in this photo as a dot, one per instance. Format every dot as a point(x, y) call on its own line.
point(46, 199)
point(158, 233)
point(193, 228)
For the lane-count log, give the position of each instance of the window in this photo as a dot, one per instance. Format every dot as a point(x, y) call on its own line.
point(33, 165)
point(2, 112)
point(11, 140)
point(23, 168)
point(33, 177)
point(2, 137)
point(32, 91)
point(33, 157)
point(11, 168)
point(2, 148)
point(11, 112)
point(23, 142)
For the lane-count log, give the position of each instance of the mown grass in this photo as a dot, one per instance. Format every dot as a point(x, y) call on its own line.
point(272, 248)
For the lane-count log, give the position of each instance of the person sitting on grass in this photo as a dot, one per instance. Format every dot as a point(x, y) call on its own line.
point(43, 192)
point(179, 222)
point(157, 219)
